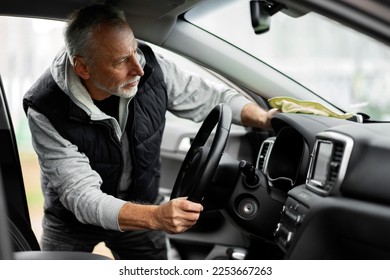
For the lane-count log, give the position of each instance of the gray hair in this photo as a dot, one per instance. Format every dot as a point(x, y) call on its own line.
point(82, 24)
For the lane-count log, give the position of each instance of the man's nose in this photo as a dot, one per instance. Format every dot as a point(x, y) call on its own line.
point(135, 67)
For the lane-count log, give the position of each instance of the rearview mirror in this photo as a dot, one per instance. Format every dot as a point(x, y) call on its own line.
point(261, 12)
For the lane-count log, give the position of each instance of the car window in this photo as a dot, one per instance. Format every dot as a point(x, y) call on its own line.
point(348, 69)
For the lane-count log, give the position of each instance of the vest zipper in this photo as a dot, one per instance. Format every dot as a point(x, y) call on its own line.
point(117, 143)
point(130, 137)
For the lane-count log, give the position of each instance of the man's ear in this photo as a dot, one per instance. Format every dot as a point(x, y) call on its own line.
point(80, 67)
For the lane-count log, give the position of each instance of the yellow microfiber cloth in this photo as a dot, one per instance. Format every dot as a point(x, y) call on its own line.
point(292, 105)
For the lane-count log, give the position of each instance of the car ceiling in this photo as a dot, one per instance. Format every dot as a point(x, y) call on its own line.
point(153, 20)
point(59, 9)
point(150, 19)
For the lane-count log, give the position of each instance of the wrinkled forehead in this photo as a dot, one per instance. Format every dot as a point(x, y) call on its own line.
point(114, 41)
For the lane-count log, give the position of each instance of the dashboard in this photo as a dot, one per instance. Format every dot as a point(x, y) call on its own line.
point(336, 175)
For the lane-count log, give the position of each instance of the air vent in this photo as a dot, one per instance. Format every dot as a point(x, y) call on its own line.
point(265, 149)
point(335, 164)
point(262, 154)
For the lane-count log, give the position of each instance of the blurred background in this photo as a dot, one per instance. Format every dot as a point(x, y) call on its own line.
point(28, 46)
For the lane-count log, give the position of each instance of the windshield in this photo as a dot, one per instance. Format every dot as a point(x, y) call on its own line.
point(348, 69)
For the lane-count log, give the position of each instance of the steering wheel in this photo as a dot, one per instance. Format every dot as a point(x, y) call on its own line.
point(201, 162)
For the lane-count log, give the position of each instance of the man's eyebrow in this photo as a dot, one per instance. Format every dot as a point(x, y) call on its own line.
point(118, 59)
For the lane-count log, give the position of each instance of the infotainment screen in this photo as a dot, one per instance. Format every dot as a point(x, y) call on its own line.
point(322, 163)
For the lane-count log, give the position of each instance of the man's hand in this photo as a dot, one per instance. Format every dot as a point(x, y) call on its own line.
point(177, 215)
point(255, 116)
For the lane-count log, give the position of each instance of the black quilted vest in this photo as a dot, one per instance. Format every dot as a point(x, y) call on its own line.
point(97, 139)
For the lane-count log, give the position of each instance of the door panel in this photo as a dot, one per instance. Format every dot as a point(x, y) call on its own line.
point(176, 141)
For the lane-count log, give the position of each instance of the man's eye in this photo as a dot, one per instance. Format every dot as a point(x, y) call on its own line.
point(122, 61)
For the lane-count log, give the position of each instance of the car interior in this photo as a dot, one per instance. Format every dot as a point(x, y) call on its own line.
point(313, 187)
